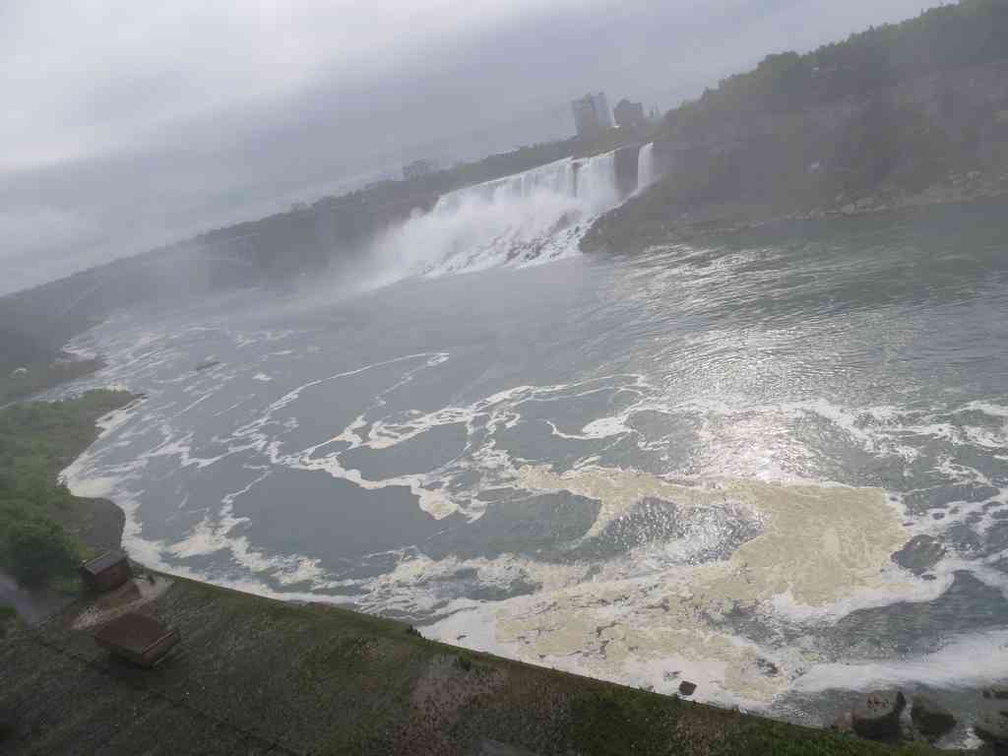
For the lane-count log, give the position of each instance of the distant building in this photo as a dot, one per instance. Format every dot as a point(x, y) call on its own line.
point(418, 168)
point(591, 114)
point(628, 114)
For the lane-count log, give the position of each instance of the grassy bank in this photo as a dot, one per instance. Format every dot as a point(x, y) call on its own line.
point(44, 529)
point(254, 675)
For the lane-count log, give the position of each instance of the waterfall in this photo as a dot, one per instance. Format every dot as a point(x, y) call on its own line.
point(533, 216)
point(596, 182)
point(646, 173)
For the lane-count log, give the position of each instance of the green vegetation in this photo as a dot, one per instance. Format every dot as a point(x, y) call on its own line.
point(254, 674)
point(971, 33)
point(24, 380)
point(8, 618)
point(896, 116)
point(34, 548)
point(38, 518)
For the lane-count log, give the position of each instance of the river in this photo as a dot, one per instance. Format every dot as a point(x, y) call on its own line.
point(774, 464)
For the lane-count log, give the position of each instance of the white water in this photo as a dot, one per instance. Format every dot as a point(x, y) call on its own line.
point(530, 217)
point(646, 173)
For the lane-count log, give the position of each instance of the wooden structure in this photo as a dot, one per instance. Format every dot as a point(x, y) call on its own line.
point(137, 638)
point(106, 571)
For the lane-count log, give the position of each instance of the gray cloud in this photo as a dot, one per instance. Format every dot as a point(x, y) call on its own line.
point(132, 124)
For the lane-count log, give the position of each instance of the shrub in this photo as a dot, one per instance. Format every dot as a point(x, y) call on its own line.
point(34, 549)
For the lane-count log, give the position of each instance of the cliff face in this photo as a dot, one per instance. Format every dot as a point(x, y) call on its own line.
point(878, 149)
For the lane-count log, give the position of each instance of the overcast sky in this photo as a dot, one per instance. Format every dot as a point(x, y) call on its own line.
point(131, 123)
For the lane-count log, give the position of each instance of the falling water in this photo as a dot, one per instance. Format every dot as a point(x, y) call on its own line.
point(646, 173)
point(597, 189)
point(529, 217)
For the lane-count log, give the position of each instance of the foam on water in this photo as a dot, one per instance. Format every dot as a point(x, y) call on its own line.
point(528, 218)
point(821, 552)
point(764, 548)
point(964, 661)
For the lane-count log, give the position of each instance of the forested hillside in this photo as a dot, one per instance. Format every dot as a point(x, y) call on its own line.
point(899, 114)
point(971, 33)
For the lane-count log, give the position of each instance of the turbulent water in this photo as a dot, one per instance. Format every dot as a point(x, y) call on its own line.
point(526, 219)
point(775, 465)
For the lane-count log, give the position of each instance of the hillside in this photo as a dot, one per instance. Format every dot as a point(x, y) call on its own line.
point(901, 114)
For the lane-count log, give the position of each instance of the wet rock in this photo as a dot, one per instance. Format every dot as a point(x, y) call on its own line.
point(687, 688)
point(1000, 694)
point(992, 724)
point(920, 554)
point(930, 717)
point(878, 715)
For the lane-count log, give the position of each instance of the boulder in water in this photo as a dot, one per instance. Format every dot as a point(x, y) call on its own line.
point(920, 554)
point(687, 688)
point(930, 717)
point(992, 724)
point(878, 715)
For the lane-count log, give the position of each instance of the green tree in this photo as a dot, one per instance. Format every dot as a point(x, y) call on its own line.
point(33, 548)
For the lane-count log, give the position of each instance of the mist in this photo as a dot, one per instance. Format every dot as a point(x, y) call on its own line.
point(131, 127)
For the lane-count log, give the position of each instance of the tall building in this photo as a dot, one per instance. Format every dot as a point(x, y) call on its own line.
point(591, 114)
point(603, 110)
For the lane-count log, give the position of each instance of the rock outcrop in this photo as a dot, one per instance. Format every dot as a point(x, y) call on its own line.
point(931, 718)
point(992, 725)
point(687, 688)
point(992, 719)
point(877, 717)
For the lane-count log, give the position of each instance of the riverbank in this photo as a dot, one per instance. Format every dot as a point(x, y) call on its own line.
point(18, 381)
point(650, 219)
point(259, 675)
point(254, 675)
point(44, 529)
